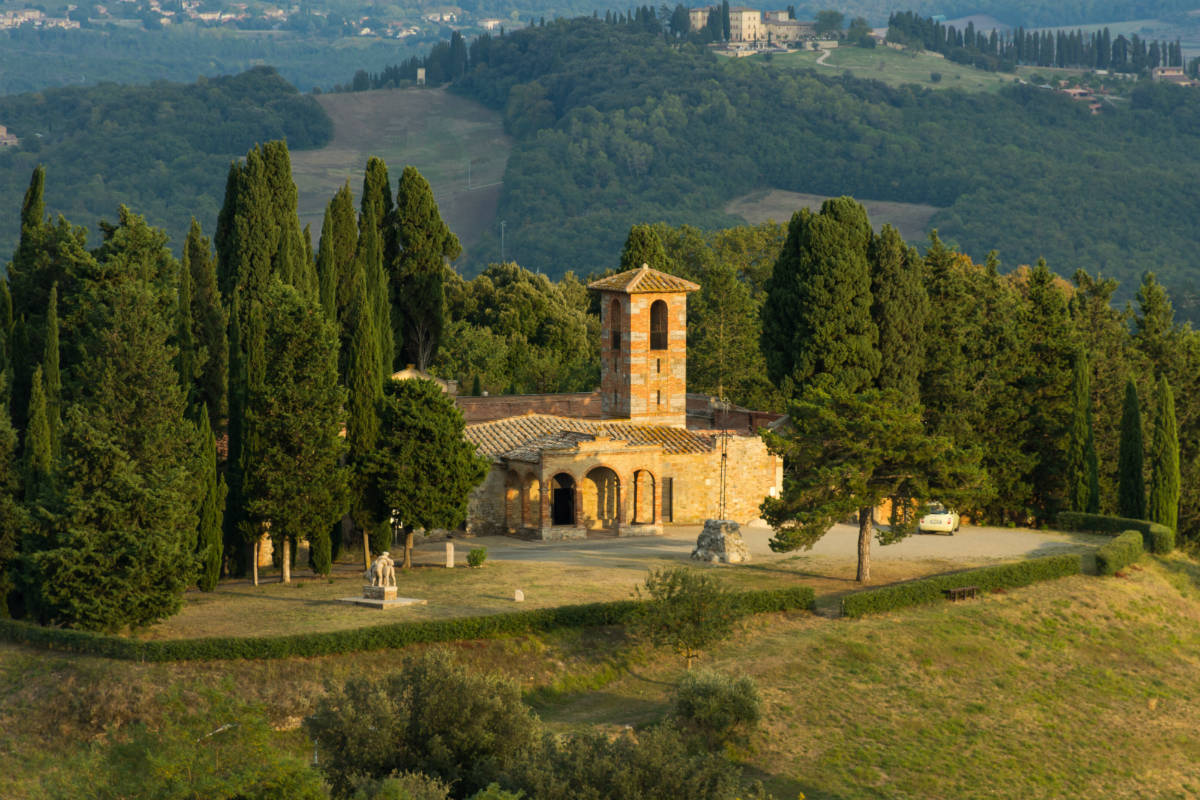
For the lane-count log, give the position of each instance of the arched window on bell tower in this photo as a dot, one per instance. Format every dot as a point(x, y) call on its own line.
point(658, 325)
point(614, 323)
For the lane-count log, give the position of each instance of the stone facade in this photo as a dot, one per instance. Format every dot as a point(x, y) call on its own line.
point(640, 466)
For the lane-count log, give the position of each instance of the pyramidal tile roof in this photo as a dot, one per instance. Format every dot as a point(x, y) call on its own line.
point(522, 438)
point(643, 280)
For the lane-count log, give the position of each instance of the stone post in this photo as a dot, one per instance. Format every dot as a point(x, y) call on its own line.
point(449, 554)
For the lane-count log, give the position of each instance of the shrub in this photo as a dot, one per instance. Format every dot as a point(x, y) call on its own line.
point(716, 706)
point(435, 717)
point(1156, 538)
point(929, 590)
point(476, 557)
point(687, 610)
point(935, 77)
point(402, 786)
point(1119, 553)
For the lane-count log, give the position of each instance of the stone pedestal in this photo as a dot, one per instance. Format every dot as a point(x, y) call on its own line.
point(449, 555)
point(379, 592)
point(721, 543)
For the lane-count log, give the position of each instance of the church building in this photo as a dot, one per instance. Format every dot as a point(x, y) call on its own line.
point(635, 455)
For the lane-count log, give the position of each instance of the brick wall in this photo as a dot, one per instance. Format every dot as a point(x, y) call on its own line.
point(637, 382)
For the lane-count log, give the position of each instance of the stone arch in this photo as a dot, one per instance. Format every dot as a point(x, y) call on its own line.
point(531, 506)
point(600, 495)
point(658, 325)
point(512, 501)
point(644, 487)
point(562, 500)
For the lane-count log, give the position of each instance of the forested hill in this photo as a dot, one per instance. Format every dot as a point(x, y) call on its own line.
point(614, 126)
point(1030, 13)
point(163, 150)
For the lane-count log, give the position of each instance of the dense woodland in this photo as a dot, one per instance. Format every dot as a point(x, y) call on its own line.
point(161, 148)
point(614, 127)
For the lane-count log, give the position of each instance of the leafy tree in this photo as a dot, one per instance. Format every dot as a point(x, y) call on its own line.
point(685, 609)
point(209, 541)
point(1164, 459)
point(817, 314)
point(846, 452)
point(643, 247)
point(1131, 486)
point(418, 273)
point(434, 716)
point(295, 481)
point(422, 469)
point(828, 22)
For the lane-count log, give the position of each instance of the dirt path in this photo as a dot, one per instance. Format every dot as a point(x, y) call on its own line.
point(821, 58)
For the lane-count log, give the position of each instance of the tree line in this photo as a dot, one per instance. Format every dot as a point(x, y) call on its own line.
point(1004, 50)
point(162, 417)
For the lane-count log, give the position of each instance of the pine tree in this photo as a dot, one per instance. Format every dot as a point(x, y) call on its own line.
point(210, 323)
point(51, 375)
point(817, 315)
point(38, 444)
point(1131, 487)
point(899, 308)
point(1164, 459)
point(418, 273)
point(643, 246)
point(1079, 482)
point(212, 509)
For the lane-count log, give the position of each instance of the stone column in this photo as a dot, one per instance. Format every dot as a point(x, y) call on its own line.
point(449, 554)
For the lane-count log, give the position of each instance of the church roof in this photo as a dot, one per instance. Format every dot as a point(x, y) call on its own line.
point(643, 280)
point(522, 438)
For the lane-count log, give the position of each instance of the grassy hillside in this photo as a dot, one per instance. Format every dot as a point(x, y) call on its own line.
point(911, 219)
point(1083, 687)
point(436, 132)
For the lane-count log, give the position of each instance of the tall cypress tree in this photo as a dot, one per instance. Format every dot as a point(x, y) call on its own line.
point(643, 246)
point(38, 444)
point(234, 537)
point(365, 383)
point(210, 323)
point(817, 314)
point(899, 307)
point(326, 266)
point(1131, 485)
point(1079, 478)
point(209, 537)
point(376, 286)
point(1164, 459)
point(185, 342)
point(12, 514)
point(418, 274)
point(50, 372)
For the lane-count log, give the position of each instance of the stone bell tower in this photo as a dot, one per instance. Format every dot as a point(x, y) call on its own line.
point(643, 348)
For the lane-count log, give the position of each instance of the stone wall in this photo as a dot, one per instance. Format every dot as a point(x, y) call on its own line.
point(751, 475)
point(485, 509)
point(584, 405)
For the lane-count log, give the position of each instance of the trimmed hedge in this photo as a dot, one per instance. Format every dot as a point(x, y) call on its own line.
point(929, 590)
point(1156, 538)
point(376, 637)
point(1119, 553)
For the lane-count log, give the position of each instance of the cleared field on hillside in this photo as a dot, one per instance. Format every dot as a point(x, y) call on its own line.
point(441, 134)
point(911, 219)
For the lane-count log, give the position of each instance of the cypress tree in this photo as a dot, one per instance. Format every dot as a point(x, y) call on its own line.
point(6, 326)
point(50, 372)
point(234, 535)
point(899, 307)
point(376, 287)
point(424, 245)
point(326, 267)
point(209, 544)
point(1164, 459)
point(643, 246)
point(38, 444)
point(365, 383)
point(1131, 487)
point(476, 387)
point(210, 323)
point(254, 445)
point(186, 357)
point(287, 246)
point(1079, 479)
point(12, 515)
point(817, 315)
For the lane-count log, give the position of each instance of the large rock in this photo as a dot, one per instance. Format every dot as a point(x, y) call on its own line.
point(721, 543)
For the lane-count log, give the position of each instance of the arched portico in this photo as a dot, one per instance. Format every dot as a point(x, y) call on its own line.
point(601, 496)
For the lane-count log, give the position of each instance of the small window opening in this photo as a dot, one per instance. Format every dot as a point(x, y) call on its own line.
point(658, 325)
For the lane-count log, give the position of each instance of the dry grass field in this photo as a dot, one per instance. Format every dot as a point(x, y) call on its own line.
point(911, 219)
point(435, 131)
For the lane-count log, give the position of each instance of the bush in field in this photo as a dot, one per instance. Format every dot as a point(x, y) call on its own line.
point(435, 716)
point(685, 609)
point(402, 786)
point(716, 706)
point(476, 557)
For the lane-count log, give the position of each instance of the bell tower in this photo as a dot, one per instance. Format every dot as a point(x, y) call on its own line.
point(643, 348)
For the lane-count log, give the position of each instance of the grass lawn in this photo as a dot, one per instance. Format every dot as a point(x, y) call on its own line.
point(911, 219)
point(435, 131)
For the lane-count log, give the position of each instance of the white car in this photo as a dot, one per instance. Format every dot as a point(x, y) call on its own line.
point(938, 519)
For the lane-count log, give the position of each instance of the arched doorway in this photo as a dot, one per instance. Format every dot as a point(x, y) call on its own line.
point(562, 500)
point(601, 498)
point(643, 497)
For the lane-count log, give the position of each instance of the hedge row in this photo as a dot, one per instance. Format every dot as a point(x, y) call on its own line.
point(1119, 553)
point(930, 590)
point(377, 637)
point(1156, 538)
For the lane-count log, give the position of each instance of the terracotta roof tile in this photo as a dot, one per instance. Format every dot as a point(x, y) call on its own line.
point(643, 280)
point(522, 438)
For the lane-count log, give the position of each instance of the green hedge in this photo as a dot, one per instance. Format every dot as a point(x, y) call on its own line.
point(1119, 553)
point(376, 637)
point(1156, 538)
point(930, 590)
